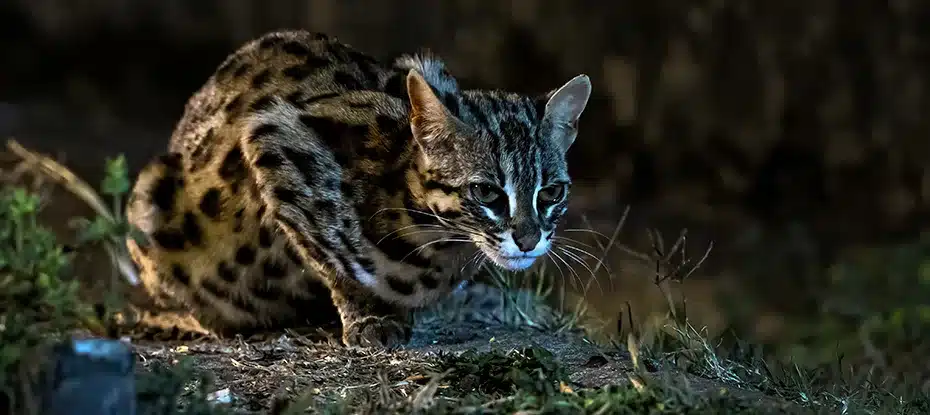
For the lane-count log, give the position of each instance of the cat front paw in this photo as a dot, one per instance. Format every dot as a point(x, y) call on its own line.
point(376, 331)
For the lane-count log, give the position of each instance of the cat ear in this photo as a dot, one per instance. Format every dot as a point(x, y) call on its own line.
point(429, 118)
point(564, 107)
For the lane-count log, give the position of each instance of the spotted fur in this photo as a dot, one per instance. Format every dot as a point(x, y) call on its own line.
point(305, 169)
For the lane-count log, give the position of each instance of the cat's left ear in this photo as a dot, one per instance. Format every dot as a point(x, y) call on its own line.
point(564, 107)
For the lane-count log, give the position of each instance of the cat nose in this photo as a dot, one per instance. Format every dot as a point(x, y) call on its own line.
point(526, 240)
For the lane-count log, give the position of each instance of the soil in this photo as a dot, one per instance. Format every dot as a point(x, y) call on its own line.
point(258, 375)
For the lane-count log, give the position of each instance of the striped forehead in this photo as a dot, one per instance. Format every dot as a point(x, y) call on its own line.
point(520, 157)
point(509, 123)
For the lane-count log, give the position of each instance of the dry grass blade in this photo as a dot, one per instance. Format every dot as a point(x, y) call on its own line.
point(80, 188)
point(425, 395)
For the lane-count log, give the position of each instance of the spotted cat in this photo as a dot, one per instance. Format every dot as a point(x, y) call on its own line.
point(309, 182)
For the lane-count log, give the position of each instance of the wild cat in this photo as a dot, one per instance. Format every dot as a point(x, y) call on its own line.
point(307, 180)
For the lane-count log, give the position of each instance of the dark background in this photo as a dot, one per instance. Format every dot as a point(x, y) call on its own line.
point(787, 132)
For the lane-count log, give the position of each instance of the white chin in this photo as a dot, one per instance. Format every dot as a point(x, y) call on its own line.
point(513, 263)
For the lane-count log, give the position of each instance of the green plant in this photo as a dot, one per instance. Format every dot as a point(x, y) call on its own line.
point(109, 230)
point(35, 299)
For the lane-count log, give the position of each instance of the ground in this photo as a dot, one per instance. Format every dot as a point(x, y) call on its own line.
point(261, 375)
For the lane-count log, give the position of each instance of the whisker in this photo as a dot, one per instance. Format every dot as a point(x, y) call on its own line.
point(445, 231)
point(591, 231)
point(571, 271)
point(474, 258)
point(408, 227)
point(562, 238)
point(419, 248)
point(600, 263)
point(584, 264)
point(561, 278)
point(613, 240)
point(433, 215)
point(387, 209)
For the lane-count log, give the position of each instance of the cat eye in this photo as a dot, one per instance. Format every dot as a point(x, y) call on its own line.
point(484, 193)
point(552, 194)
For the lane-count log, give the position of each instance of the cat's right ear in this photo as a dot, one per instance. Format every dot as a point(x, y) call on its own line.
point(563, 108)
point(430, 121)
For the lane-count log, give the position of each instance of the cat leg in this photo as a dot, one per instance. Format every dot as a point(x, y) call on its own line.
point(369, 321)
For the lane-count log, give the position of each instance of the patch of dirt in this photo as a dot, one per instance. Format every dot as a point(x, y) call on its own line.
point(288, 365)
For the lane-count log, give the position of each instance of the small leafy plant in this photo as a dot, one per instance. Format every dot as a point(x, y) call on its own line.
point(35, 299)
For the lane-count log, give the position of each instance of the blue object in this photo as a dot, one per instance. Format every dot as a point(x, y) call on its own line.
point(91, 377)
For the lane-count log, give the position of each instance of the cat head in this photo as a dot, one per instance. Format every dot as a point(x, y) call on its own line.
point(492, 164)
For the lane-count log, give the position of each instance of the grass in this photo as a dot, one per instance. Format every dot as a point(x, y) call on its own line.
point(853, 359)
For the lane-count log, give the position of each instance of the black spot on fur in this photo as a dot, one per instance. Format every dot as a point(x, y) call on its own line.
point(180, 274)
point(366, 263)
point(165, 191)
point(347, 81)
point(386, 125)
point(226, 67)
point(332, 184)
point(264, 130)
point(233, 168)
point(169, 239)
point(428, 280)
point(399, 250)
point(214, 289)
point(452, 104)
point(264, 237)
point(241, 70)
point(361, 105)
point(325, 207)
point(321, 97)
point(262, 104)
point(225, 272)
point(270, 42)
point(260, 213)
point(295, 48)
point(396, 86)
point(267, 293)
point(400, 286)
point(295, 98)
point(285, 195)
point(316, 61)
point(210, 203)
point(192, 230)
point(480, 117)
point(261, 78)
point(171, 161)
point(451, 214)
point(234, 105)
point(304, 243)
point(435, 185)
point(305, 163)
point(269, 160)
point(347, 190)
point(293, 255)
point(442, 245)
point(273, 269)
point(245, 255)
point(199, 301)
point(369, 70)
point(298, 73)
point(237, 220)
point(329, 130)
